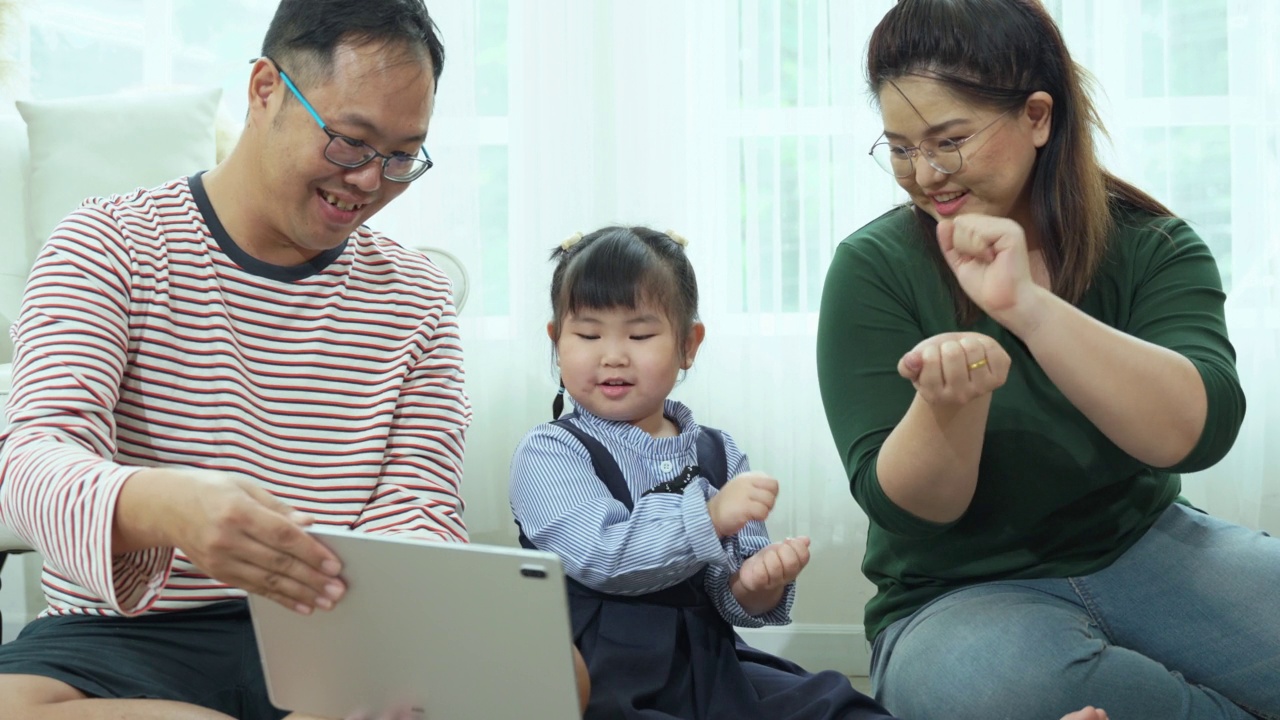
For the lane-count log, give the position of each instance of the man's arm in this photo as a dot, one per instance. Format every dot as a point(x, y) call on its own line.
point(108, 528)
point(58, 486)
point(418, 491)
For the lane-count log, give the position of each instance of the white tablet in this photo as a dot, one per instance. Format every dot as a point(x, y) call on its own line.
point(455, 631)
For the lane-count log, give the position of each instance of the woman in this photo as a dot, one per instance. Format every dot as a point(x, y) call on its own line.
point(1015, 367)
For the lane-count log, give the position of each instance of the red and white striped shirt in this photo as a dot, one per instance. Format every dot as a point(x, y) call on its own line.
point(147, 337)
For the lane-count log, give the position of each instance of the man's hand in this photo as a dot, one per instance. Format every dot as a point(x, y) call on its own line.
point(232, 530)
point(749, 496)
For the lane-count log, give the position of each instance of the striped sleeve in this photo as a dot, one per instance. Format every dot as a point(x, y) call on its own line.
point(418, 492)
point(564, 508)
point(70, 347)
point(749, 541)
point(148, 338)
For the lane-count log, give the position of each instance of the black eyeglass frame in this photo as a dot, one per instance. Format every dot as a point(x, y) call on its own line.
point(422, 162)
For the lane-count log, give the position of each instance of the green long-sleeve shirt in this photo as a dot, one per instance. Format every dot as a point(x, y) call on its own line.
point(1055, 497)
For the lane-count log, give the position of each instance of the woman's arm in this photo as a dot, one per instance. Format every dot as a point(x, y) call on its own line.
point(1148, 400)
point(911, 446)
point(928, 465)
point(1143, 385)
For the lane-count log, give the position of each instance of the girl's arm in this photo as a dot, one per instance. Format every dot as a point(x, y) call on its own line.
point(739, 605)
point(764, 578)
point(562, 507)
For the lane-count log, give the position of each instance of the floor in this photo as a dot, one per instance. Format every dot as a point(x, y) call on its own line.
point(862, 684)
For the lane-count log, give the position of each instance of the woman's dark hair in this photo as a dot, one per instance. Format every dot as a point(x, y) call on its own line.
point(996, 53)
point(304, 33)
point(624, 267)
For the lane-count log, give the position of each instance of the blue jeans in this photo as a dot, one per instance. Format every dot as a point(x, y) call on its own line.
point(1186, 624)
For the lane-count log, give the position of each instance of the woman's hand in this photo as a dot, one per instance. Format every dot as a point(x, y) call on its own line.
point(989, 258)
point(954, 368)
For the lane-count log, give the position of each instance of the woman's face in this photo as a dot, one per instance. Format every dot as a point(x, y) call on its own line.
point(995, 176)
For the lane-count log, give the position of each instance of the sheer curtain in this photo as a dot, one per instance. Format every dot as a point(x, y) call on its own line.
point(744, 125)
point(1192, 92)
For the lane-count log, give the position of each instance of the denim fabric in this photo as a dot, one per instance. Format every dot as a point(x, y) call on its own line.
point(1186, 624)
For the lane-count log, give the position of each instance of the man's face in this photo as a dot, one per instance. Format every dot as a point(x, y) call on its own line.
point(381, 95)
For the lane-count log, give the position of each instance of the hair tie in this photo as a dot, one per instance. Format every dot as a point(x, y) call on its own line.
point(571, 241)
point(557, 405)
point(677, 238)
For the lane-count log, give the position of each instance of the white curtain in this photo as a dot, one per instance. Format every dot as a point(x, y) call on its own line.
point(1192, 95)
point(744, 125)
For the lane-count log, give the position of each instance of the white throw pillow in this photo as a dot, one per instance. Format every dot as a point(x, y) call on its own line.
point(111, 144)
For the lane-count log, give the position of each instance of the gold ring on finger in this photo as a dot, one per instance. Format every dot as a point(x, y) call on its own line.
point(977, 364)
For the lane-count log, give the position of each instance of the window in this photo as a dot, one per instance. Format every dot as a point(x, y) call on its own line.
point(801, 127)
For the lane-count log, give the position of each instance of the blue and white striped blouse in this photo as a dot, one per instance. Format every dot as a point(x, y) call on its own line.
point(564, 508)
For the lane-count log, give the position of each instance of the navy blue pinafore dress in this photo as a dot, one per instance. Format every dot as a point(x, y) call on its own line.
point(669, 654)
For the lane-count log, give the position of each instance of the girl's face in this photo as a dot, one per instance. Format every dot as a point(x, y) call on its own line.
point(995, 177)
point(620, 364)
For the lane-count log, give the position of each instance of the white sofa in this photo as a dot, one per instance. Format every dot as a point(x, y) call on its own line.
point(17, 585)
point(13, 239)
point(53, 154)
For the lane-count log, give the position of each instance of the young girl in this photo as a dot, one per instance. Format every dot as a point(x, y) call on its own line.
point(662, 564)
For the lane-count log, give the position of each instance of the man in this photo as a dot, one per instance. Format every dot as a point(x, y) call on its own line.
point(215, 364)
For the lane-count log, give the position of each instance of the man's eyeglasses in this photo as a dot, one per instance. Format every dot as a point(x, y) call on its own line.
point(943, 154)
point(351, 153)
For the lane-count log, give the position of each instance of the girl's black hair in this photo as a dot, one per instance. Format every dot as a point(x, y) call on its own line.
point(624, 267)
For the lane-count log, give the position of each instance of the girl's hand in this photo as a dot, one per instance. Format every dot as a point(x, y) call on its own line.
point(774, 566)
point(749, 496)
point(954, 368)
point(989, 257)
